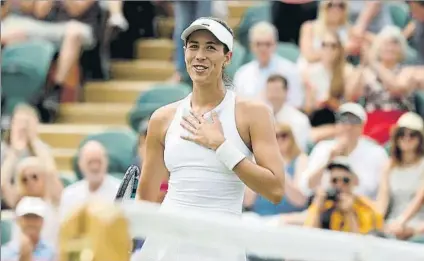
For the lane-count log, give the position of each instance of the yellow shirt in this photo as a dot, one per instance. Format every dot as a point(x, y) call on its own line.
point(368, 218)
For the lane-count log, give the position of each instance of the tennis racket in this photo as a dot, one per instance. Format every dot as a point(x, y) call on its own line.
point(128, 187)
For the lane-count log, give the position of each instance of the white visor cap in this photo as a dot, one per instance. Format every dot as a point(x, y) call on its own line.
point(217, 29)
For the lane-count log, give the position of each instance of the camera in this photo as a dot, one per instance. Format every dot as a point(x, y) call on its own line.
point(333, 194)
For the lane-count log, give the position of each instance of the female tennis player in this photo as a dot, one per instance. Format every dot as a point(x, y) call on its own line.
point(205, 143)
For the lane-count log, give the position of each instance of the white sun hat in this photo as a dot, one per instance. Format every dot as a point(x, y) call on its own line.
point(217, 29)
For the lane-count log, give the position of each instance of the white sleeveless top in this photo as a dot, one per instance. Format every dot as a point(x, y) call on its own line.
point(198, 180)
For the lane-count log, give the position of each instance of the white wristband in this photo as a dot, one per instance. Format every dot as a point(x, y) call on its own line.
point(229, 155)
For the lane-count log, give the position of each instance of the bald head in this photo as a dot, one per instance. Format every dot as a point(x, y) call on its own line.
point(93, 161)
point(92, 147)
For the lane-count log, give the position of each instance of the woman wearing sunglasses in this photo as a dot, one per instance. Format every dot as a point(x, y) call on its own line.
point(332, 17)
point(295, 162)
point(324, 82)
point(35, 179)
point(401, 193)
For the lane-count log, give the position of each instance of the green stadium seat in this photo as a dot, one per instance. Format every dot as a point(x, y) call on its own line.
point(119, 146)
point(66, 180)
point(25, 67)
point(419, 102)
point(239, 53)
point(252, 16)
point(400, 14)
point(154, 98)
point(6, 226)
point(289, 51)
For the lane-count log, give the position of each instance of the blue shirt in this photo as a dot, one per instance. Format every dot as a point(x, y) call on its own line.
point(42, 252)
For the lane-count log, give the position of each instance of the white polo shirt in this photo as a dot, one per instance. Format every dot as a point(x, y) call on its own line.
point(367, 161)
point(77, 194)
point(250, 80)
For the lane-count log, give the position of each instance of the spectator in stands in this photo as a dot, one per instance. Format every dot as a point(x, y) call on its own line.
point(294, 162)
point(21, 141)
point(417, 11)
point(185, 12)
point(339, 208)
point(366, 158)
point(384, 83)
point(250, 79)
point(369, 16)
point(35, 177)
point(29, 246)
point(11, 9)
point(116, 15)
point(332, 17)
point(401, 193)
point(276, 96)
point(324, 82)
point(93, 163)
point(71, 25)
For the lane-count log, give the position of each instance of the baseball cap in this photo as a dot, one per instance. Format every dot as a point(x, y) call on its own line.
point(412, 121)
point(31, 205)
point(355, 109)
point(340, 162)
point(217, 29)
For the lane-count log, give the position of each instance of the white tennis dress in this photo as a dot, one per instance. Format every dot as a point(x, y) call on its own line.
point(198, 182)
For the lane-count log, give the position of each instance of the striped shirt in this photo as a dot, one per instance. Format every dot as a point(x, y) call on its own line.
point(42, 252)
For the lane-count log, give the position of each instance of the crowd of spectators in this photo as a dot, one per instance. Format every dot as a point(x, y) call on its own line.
point(347, 112)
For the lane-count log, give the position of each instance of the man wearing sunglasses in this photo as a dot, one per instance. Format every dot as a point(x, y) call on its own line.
point(367, 158)
point(339, 208)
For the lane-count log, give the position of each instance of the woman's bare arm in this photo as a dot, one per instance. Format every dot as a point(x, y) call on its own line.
point(414, 206)
point(293, 192)
point(396, 84)
point(5, 8)
point(266, 177)
point(306, 43)
point(54, 185)
point(355, 84)
point(77, 7)
point(43, 8)
point(9, 192)
point(154, 171)
point(383, 195)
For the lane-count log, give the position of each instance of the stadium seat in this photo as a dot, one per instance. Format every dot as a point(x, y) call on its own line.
point(154, 98)
point(237, 60)
point(289, 51)
point(6, 227)
point(400, 14)
point(66, 180)
point(119, 146)
point(252, 16)
point(419, 102)
point(25, 68)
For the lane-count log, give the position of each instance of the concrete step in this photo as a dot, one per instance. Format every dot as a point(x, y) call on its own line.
point(115, 91)
point(155, 49)
point(63, 158)
point(142, 70)
point(94, 113)
point(69, 136)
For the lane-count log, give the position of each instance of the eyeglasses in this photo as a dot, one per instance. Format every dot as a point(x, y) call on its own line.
point(27, 178)
point(336, 5)
point(263, 44)
point(336, 180)
point(329, 45)
point(403, 133)
point(282, 135)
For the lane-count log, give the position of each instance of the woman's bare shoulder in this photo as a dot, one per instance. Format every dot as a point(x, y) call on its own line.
point(162, 117)
point(255, 109)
